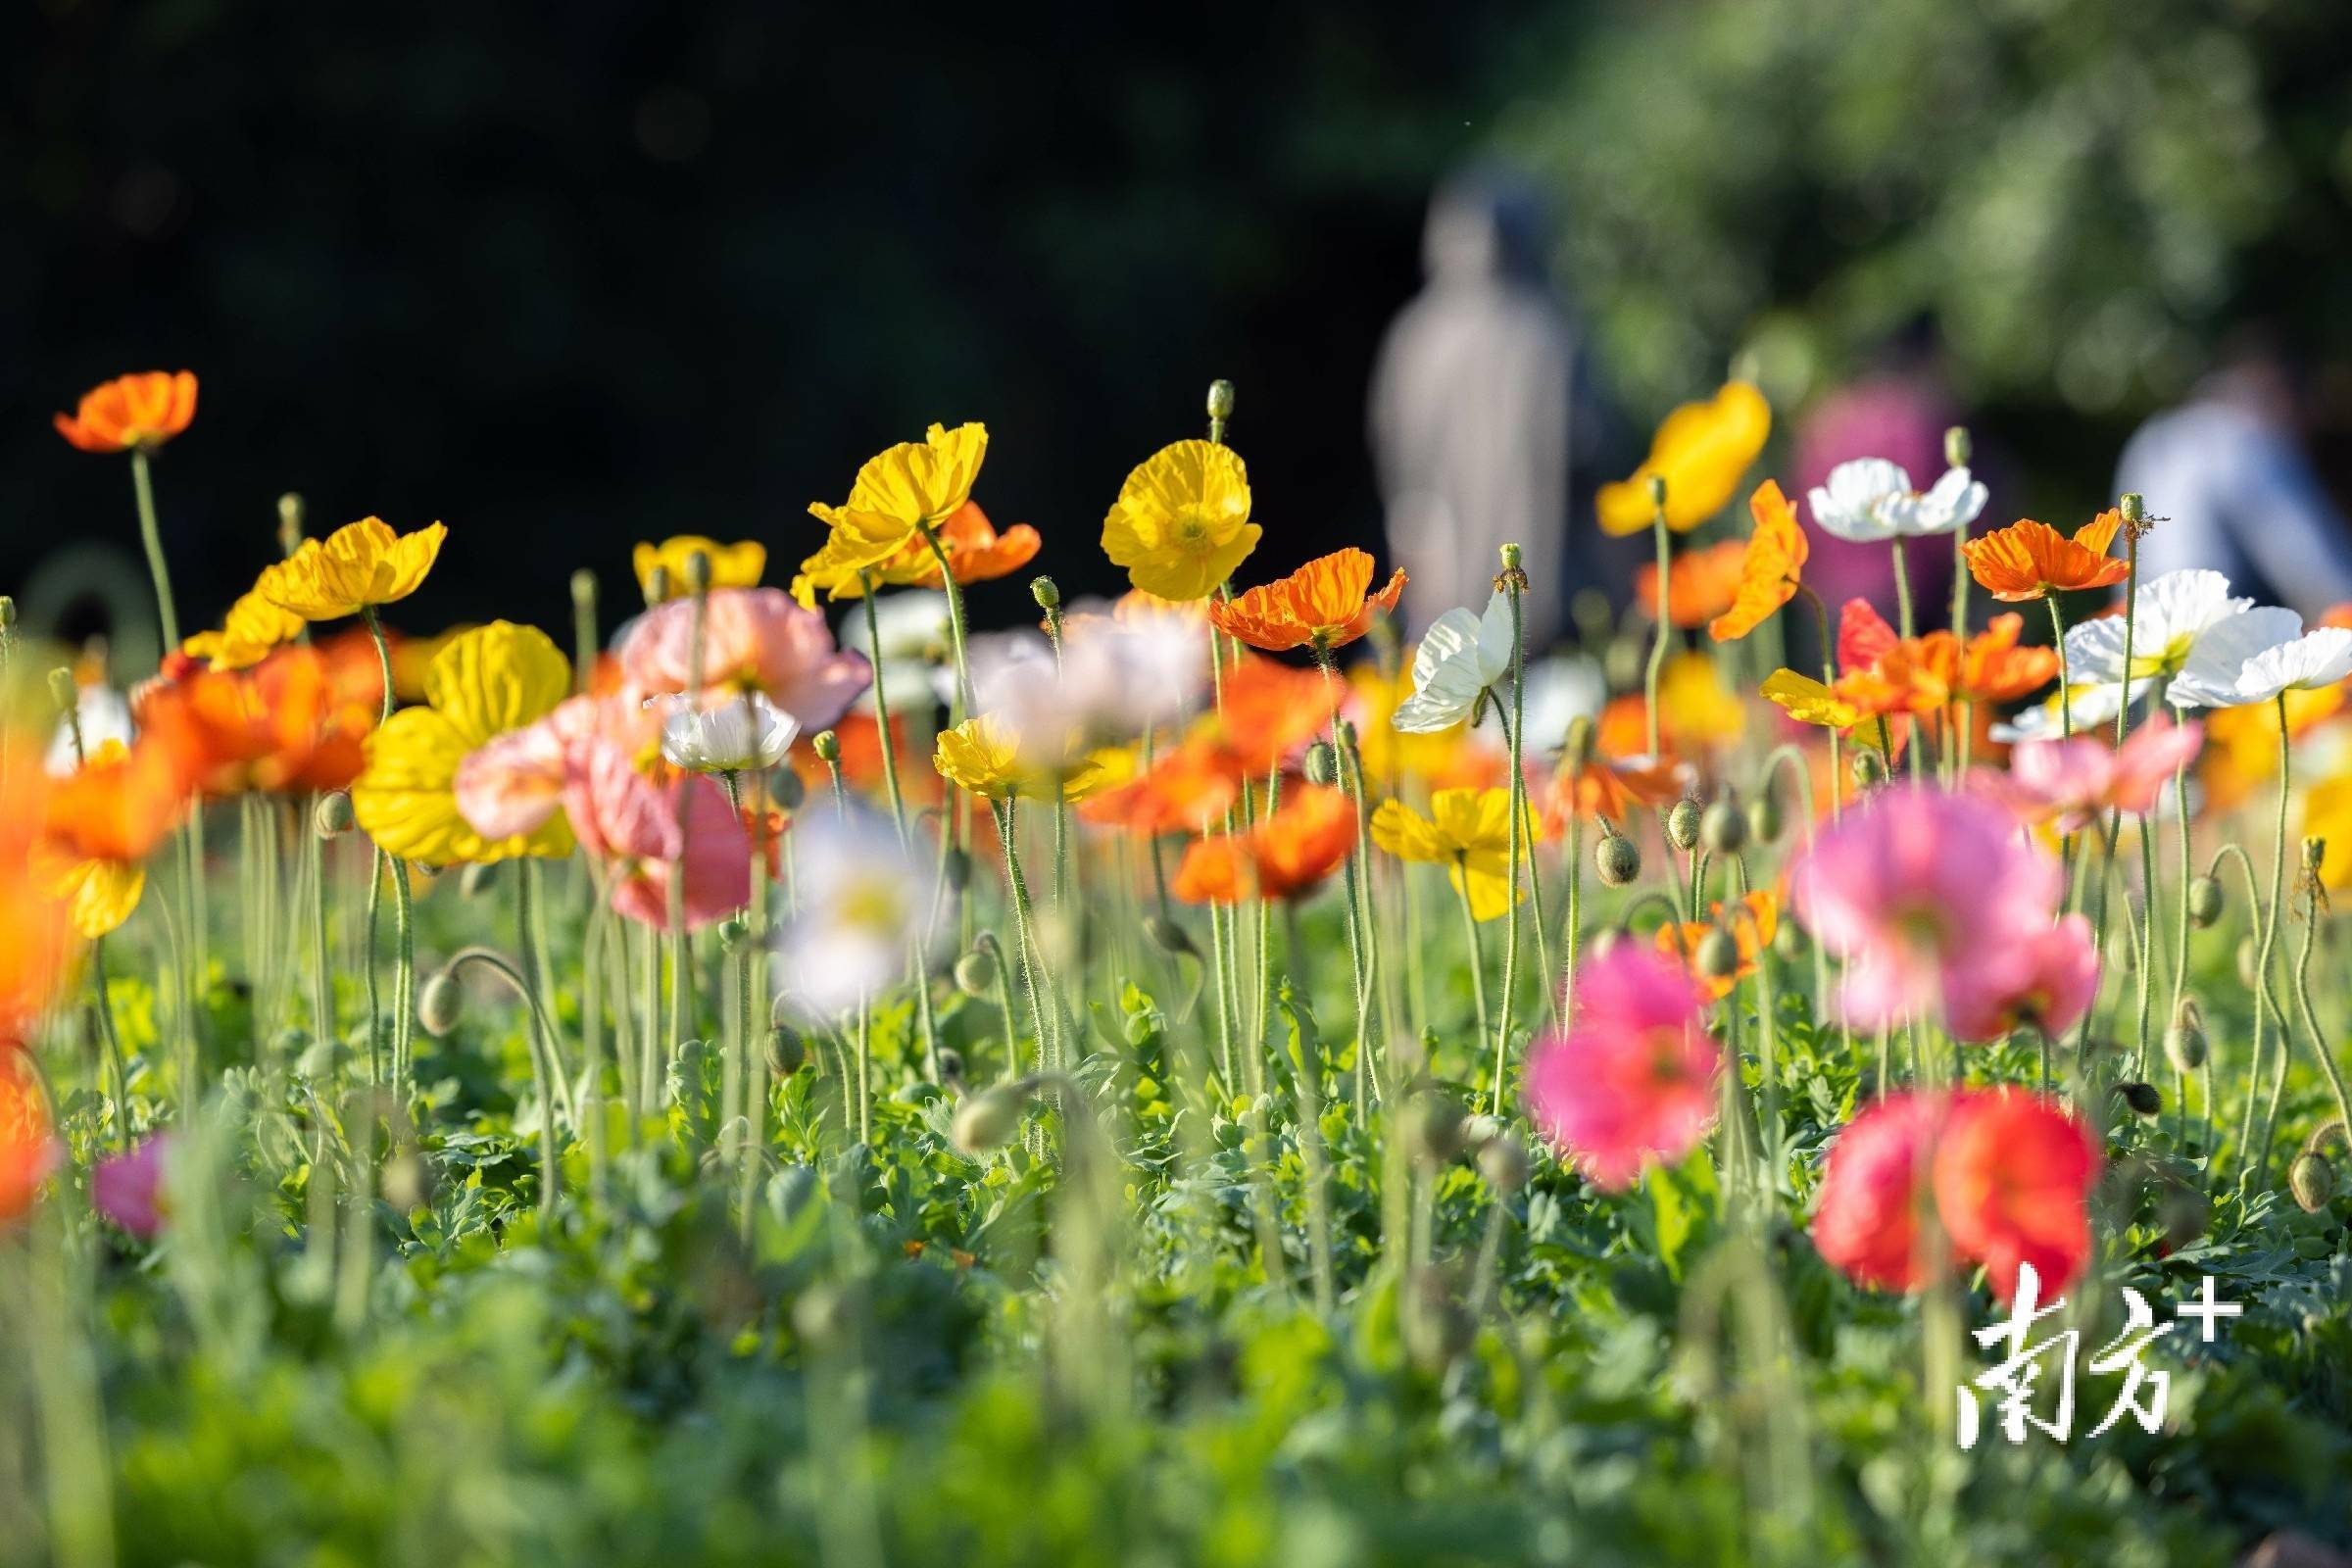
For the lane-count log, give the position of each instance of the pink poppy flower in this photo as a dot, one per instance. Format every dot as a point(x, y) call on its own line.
point(128, 1187)
point(1873, 1190)
point(2053, 984)
point(2077, 780)
point(754, 639)
point(622, 816)
point(513, 784)
point(1634, 1075)
point(1922, 894)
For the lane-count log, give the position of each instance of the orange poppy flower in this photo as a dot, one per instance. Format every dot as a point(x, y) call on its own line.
point(1184, 790)
point(35, 938)
point(1696, 712)
point(282, 727)
point(142, 410)
point(1701, 584)
point(1325, 604)
point(1271, 709)
point(27, 1150)
point(120, 806)
point(1752, 923)
point(1993, 668)
point(1309, 836)
point(2031, 560)
point(975, 550)
point(1603, 788)
point(1771, 565)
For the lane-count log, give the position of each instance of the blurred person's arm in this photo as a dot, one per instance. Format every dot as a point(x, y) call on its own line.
point(2283, 521)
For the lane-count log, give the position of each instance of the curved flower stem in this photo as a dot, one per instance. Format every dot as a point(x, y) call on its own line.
point(2260, 1154)
point(151, 536)
point(1478, 955)
point(2311, 1017)
point(890, 761)
point(114, 1042)
point(1355, 874)
point(404, 970)
point(544, 1080)
point(1034, 980)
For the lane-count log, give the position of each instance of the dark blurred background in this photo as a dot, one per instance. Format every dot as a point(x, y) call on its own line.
point(569, 276)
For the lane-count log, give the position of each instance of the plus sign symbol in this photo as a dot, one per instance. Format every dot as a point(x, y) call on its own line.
point(2206, 1307)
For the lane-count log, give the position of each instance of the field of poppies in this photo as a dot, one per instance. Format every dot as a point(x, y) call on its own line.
point(1206, 1079)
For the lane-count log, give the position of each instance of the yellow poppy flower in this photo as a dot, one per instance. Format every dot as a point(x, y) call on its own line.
point(251, 629)
point(2327, 815)
point(1808, 701)
point(901, 492)
point(736, 565)
point(99, 895)
point(1702, 450)
point(1181, 524)
point(491, 680)
point(983, 756)
point(1467, 831)
point(361, 565)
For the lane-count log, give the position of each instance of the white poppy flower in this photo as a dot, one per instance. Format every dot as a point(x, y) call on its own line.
point(914, 624)
point(104, 715)
point(2169, 616)
point(2089, 706)
point(860, 900)
point(2214, 676)
point(1561, 690)
point(1870, 499)
point(1460, 656)
point(738, 736)
point(2316, 658)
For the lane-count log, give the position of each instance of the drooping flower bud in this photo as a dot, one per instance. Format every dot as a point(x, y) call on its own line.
point(1764, 816)
point(1433, 1128)
point(440, 1004)
point(958, 864)
point(1718, 955)
point(1722, 828)
point(1617, 858)
point(2184, 1042)
point(2142, 1098)
point(987, 1120)
point(1170, 937)
point(1789, 941)
point(1502, 1162)
point(331, 818)
point(787, 1051)
point(2205, 902)
point(976, 973)
point(1322, 764)
point(950, 1066)
point(1869, 769)
point(1682, 824)
point(786, 788)
point(2312, 1180)
point(477, 878)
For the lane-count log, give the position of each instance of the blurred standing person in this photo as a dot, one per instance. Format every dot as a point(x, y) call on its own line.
point(1899, 411)
point(2226, 473)
point(1470, 408)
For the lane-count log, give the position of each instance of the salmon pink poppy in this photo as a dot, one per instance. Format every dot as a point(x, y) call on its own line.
point(1874, 1188)
point(2051, 983)
point(1632, 1076)
point(754, 639)
point(2013, 1175)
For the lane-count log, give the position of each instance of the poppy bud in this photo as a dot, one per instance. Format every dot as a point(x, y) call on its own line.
point(780, 1012)
point(950, 1066)
point(1511, 557)
point(787, 1051)
point(477, 879)
point(1617, 858)
point(1046, 595)
point(656, 586)
point(698, 571)
point(331, 818)
point(1438, 1329)
point(1956, 447)
point(1433, 1129)
point(1170, 937)
point(583, 590)
point(733, 934)
point(2204, 901)
point(1579, 741)
point(289, 522)
point(1682, 824)
point(8, 609)
point(63, 691)
point(976, 973)
point(1658, 491)
point(1764, 817)
point(2312, 1180)
point(1343, 730)
point(1322, 764)
point(1870, 769)
point(2185, 1044)
point(2143, 1099)
point(958, 864)
point(786, 789)
point(1502, 1162)
point(440, 1004)
point(827, 746)
point(1220, 400)
point(1722, 829)
point(1718, 955)
point(2133, 506)
point(1477, 1129)
point(2250, 963)
point(1789, 941)
point(987, 1120)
